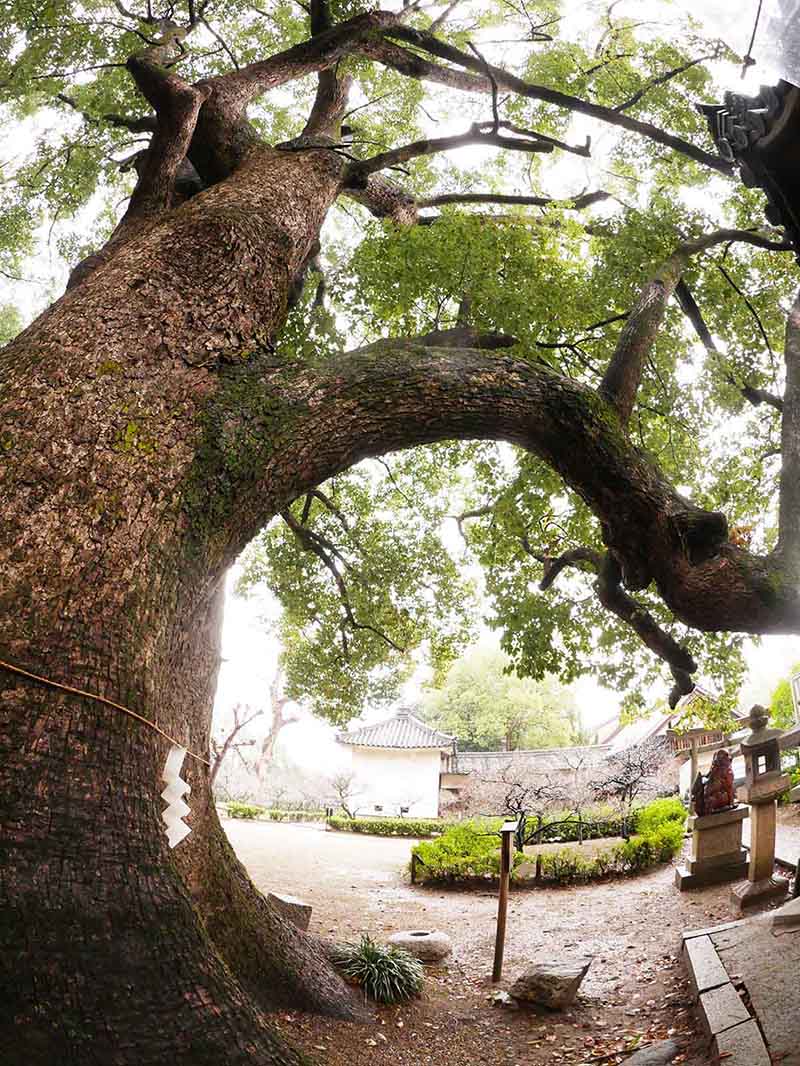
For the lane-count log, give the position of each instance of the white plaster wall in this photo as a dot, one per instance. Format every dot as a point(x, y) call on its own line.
point(394, 778)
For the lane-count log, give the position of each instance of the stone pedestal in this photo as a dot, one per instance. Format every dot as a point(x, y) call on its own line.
point(749, 892)
point(717, 852)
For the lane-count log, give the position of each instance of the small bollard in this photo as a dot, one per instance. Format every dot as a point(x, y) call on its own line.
point(507, 831)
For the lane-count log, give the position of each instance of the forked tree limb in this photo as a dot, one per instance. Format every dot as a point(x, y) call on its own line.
point(177, 105)
point(694, 315)
point(320, 51)
point(479, 82)
point(623, 375)
point(612, 596)
point(359, 171)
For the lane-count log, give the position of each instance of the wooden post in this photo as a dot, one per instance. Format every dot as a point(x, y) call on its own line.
point(506, 833)
point(695, 763)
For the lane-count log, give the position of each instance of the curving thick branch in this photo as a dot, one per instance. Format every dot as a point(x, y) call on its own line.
point(426, 394)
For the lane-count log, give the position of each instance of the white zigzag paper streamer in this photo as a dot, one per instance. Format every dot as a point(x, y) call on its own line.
point(173, 794)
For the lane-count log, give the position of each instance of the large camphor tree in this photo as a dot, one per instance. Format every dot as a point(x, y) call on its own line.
point(187, 387)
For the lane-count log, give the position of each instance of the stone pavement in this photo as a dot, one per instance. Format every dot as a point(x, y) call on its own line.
point(745, 977)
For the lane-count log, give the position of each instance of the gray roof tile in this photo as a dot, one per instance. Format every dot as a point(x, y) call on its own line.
point(404, 730)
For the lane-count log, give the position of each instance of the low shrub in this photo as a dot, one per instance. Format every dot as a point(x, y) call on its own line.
point(388, 974)
point(388, 827)
point(244, 810)
point(464, 852)
point(660, 811)
point(566, 866)
point(471, 850)
point(294, 816)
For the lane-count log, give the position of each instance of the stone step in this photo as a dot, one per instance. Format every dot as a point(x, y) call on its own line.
point(742, 1045)
point(705, 967)
point(734, 1035)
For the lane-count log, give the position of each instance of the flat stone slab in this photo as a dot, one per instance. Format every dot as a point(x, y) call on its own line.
point(551, 984)
point(705, 968)
point(690, 933)
point(742, 1045)
point(659, 1054)
point(293, 908)
point(427, 945)
point(721, 1008)
point(713, 821)
point(787, 917)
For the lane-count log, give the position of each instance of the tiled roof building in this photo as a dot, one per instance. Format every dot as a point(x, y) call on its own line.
point(404, 730)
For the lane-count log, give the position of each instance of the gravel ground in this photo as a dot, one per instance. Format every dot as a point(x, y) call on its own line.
point(634, 993)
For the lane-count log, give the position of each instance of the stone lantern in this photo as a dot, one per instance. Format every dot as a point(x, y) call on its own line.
point(764, 782)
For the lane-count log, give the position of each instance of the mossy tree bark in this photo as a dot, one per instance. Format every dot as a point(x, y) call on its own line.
point(147, 432)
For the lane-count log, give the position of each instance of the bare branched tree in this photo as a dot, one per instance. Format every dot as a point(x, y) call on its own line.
point(628, 775)
point(347, 791)
point(221, 746)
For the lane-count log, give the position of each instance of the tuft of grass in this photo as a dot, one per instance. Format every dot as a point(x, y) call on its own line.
point(388, 974)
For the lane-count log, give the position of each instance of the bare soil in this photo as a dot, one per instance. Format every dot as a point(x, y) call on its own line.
point(635, 992)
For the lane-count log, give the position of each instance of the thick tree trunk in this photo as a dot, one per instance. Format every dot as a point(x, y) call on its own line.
point(112, 554)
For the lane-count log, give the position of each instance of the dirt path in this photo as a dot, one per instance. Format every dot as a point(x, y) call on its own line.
point(634, 992)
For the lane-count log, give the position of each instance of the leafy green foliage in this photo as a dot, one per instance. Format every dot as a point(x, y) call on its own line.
point(470, 850)
point(248, 811)
point(387, 974)
point(659, 812)
point(554, 278)
point(781, 706)
point(486, 706)
point(404, 590)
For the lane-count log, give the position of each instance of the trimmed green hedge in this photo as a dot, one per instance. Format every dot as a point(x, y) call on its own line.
point(294, 816)
point(470, 851)
point(244, 810)
point(465, 851)
point(388, 827)
point(253, 810)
